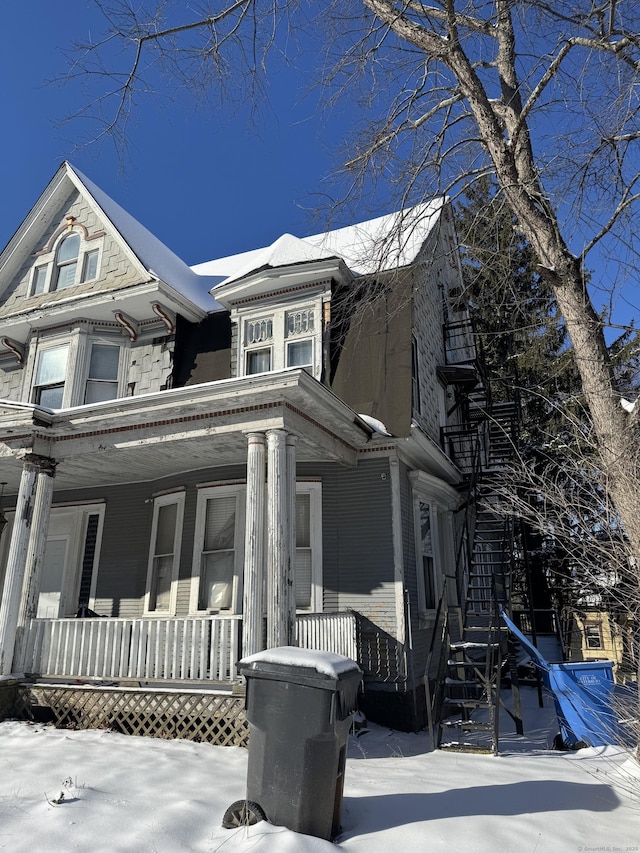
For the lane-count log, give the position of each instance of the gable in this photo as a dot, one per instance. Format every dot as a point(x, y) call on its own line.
point(75, 215)
point(110, 252)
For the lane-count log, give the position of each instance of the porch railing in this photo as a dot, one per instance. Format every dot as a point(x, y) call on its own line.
point(189, 648)
point(199, 649)
point(328, 632)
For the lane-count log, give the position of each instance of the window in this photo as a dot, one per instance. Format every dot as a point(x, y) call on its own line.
point(73, 259)
point(308, 558)
point(426, 562)
point(79, 368)
point(256, 333)
point(164, 553)
point(50, 377)
point(298, 325)
point(218, 551)
point(300, 353)
point(39, 280)
point(435, 538)
point(218, 559)
point(258, 361)
point(67, 261)
point(593, 636)
point(283, 338)
point(90, 266)
point(102, 380)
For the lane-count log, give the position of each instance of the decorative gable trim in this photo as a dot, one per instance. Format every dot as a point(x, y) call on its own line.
point(68, 225)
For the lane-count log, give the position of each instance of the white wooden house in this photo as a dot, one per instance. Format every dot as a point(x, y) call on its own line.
point(204, 461)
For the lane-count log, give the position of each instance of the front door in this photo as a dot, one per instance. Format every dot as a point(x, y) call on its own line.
point(69, 561)
point(51, 584)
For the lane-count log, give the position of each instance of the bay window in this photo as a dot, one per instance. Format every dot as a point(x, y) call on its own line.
point(75, 369)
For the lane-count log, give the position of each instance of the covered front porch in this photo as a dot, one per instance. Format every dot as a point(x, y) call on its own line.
point(90, 470)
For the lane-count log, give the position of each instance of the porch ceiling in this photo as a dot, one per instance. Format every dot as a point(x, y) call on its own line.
point(156, 435)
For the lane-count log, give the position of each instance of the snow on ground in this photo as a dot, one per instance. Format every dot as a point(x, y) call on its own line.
point(119, 793)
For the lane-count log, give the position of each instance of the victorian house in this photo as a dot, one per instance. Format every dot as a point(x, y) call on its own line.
point(200, 462)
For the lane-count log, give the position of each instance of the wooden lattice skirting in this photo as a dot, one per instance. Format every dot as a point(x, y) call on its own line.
point(217, 718)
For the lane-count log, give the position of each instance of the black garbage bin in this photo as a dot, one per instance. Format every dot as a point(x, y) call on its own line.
point(299, 705)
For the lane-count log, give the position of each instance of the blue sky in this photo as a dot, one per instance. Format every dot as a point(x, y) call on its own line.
point(208, 182)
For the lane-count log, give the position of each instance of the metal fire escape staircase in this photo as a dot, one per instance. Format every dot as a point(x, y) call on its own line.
point(474, 645)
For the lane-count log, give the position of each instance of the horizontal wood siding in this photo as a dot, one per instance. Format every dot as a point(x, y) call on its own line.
point(126, 535)
point(357, 546)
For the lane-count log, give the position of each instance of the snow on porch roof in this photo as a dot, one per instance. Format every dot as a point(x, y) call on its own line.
point(383, 243)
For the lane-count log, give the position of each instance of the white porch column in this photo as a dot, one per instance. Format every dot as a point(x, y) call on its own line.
point(291, 495)
point(16, 561)
point(279, 581)
point(35, 550)
point(253, 581)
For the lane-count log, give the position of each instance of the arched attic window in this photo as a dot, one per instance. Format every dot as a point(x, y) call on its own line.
point(67, 261)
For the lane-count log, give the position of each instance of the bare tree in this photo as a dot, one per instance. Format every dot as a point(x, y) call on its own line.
point(543, 96)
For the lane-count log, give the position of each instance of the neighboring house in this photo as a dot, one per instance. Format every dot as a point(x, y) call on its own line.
point(595, 634)
point(242, 453)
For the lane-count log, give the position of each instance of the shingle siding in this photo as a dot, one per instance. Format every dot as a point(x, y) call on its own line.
point(151, 365)
point(428, 320)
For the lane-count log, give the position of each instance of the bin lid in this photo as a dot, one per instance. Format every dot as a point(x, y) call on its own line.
point(290, 663)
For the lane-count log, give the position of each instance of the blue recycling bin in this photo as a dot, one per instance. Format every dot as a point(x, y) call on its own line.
point(589, 705)
point(583, 694)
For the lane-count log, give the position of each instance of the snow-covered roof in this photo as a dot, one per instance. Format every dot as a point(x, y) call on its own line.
point(383, 243)
point(152, 253)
